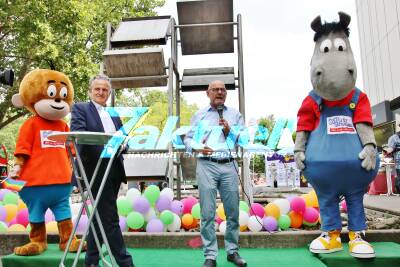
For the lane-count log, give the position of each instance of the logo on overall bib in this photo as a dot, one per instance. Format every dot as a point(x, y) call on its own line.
point(340, 125)
point(45, 142)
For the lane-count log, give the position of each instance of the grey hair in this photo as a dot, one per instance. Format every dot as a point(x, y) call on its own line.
point(100, 77)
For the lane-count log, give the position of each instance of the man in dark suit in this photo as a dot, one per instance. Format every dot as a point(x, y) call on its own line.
point(92, 117)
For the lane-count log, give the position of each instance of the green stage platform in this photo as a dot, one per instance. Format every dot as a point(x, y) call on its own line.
point(388, 254)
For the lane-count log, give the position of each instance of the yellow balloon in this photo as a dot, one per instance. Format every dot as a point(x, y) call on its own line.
point(272, 210)
point(11, 210)
point(307, 199)
point(51, 227)
point(243, 228)
point(314, 199)
point(221, 212)
point(21, 205)
point(16, 228)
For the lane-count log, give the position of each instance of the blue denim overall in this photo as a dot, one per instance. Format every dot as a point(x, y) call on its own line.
point(333, 167)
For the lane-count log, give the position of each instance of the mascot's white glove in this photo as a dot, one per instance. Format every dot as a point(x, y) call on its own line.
point(14, 173)
point(299, 157)
point(368, 157)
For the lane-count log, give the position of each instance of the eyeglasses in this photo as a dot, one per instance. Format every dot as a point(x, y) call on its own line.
point(215, 90)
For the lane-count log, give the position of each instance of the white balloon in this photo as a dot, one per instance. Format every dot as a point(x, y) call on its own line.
point(243, 218)
point(175, 226)
point(132, 194)
point(167, 192)
point(151, 214)
point(222, 227)
point(255, 223)
point(283, 204)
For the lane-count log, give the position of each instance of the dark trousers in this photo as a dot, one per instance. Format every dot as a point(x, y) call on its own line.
point(107, 209)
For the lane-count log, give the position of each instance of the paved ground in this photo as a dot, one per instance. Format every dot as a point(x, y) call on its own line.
point(383, 203)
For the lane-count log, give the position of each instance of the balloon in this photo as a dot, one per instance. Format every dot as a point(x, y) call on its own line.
point(307, 199)
point(154, 226)
point(177, 207)
point(163, 203)
point(82, 224)
point(243, 218)
point(48, 216)
point(257, 209)
point(11, 211)
point(243, 228)
point(168, 192)
point(122, 224)
point(23, 217)
point(298, 205)
point(283, 204)
point(343, 207)
point(167, 217)
point(272, 210)
point(314, 199)
point(218, 220)
point(196, 211)
point(296, 219)
point(270, 223)
point(13, 221)
point(132, 194)
point(221, 212)
point(135, 220)
point(188, 204)
point(10, 198)
point(123, 206)
point(194, 224)
point(141, 205)
point(187, 220)
point(244, 206)
point(255, 223)
point(21, 205)
point(284, 222)
point(222, 227)
point(310, 215)
point(310, 224)
point(16, 228)
point(29, 228)
point(3, 213)
point(151, 214)
point(3, 227)
point(51, 227)
point(175, 225)
point(152, 193)
point(3, 192)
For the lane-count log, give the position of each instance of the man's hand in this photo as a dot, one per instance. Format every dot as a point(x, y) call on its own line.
point(226, 128)
point(205, 150)
point(299, 157)
point(14, 173)
point(368, 157)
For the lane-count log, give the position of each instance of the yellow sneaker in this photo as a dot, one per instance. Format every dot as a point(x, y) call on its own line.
point(358, 247)
point(327, 242)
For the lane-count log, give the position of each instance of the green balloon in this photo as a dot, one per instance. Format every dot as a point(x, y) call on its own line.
point(28, 228)
point(284, 222)
point(152, 193)
point(10, 198)
point(244, 206)
point(310, 224)
point(123, 206)
point(3, 227)
point(135, 220)
point(196, 211)
point(167, 217)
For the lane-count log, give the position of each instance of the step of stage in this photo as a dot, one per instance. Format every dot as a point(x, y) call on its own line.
point(387, 254)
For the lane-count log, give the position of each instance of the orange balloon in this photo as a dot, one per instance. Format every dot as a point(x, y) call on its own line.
point(187, 220)
point(11, 210)
point(21, 205)
point(194, 224)
point(272, 210)
point(296, 219)
point(243, 228)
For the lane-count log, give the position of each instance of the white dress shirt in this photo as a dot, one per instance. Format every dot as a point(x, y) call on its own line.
point(105, 118)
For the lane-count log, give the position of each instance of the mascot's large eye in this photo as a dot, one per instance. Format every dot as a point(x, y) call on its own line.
point(52, 90)
point(325, 46)
point(63, 92)
point(340, 44)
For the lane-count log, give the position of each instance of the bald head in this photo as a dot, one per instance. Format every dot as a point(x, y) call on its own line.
point(216, 92)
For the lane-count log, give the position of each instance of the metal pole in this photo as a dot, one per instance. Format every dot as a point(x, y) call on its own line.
point(170, 113)
point(205, 24)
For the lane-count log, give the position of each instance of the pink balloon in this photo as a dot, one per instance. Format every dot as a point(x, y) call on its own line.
point(188, 204)
point(82, 224)
point(23, 217)
point(257, 209)
point(48, 217)
point(343, 206)
point(218, 220)
point(310, 215)
point(13, 221)
point(298, 205)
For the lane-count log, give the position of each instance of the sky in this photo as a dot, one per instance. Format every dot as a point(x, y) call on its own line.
point(278, 46)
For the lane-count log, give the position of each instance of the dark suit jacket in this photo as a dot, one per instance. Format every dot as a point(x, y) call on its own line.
point(84, 117)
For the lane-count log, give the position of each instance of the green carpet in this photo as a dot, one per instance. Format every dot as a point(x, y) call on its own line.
point(387, 254)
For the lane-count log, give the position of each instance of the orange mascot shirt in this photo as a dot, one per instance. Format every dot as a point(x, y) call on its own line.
point(47, 161)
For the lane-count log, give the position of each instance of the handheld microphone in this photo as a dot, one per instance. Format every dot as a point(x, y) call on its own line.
point(220, 110)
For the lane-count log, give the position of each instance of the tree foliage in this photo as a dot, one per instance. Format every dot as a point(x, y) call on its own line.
point(68, 36)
